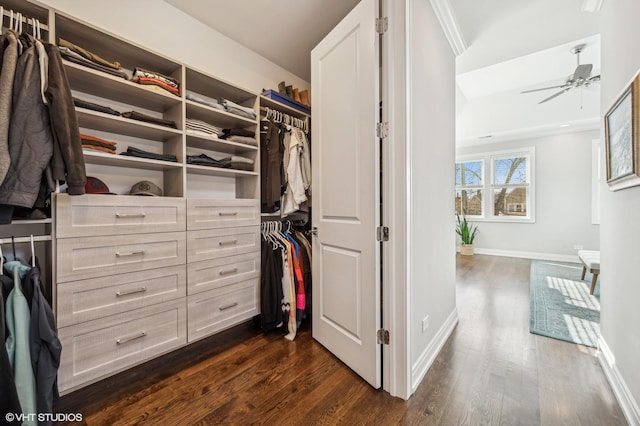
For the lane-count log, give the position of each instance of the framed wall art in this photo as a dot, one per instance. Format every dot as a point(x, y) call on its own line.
point(622, 138)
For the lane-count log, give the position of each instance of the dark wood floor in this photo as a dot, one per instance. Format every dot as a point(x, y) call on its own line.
point(492, 371)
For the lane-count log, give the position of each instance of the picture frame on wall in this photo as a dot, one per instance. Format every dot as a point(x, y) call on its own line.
point(622, 138)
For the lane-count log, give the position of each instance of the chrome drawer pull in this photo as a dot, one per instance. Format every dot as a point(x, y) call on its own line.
point(124, 340)
point(230, 271)
point(224, 308)
point(126, 215)
point(228, 214)
point(127, 292)
point(131, 253)
point(228, 243)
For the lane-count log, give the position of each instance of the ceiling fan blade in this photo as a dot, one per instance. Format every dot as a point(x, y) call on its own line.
point(554, 95)
point(543, 88)
point(582, 72)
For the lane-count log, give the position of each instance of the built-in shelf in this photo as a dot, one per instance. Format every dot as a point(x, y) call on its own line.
point(125, 126)
point(217, 117)
point(114, 160)
point(215, 144)
point(218, 171)
point(268, 102)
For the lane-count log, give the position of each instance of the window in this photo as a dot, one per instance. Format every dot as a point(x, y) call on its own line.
point(505, 195)
point(469, 183)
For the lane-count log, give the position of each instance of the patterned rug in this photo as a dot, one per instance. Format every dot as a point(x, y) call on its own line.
point(561, 306)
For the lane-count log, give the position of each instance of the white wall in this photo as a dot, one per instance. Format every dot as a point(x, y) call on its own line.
point(562, 200)
point(620, 227)
point(166, 30)
point(431, 157)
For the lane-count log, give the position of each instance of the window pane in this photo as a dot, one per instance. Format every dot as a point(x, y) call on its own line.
point(511, 170)
point(469, 173)
point(510, 201)
point(469, 202)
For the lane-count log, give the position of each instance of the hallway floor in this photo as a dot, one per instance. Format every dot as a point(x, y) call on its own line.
point(491, 371)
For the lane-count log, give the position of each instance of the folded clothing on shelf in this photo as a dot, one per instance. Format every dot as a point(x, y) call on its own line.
point(237, 109)
point(137, 152)
point(134, 115)
point(243, 139)
point(191, 124)
point(80, 103)
point(88, 55)
point(208, 102)
point(74, 57)
point(97, 144)
point(204, 160)
point(238, 162)
point(237, 132)
point(170, 84)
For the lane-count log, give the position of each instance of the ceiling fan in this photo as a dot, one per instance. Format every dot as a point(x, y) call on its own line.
point(581, 77)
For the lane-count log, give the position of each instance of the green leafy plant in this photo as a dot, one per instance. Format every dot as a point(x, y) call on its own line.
point(466, 231)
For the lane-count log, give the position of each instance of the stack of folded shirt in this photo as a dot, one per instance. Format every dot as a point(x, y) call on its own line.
point(134, 115)
point(81, 56)
point(237, 162)
point(155, 79)
point(95, 107)
point(97, 144)
point(205, 101)
point(236, 109)
point(204, 160)
point(200, 127)
point(137, 152)
point(240, 135)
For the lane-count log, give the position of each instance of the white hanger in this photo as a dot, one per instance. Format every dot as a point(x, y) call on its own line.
point(33, 253)
point(1, 260)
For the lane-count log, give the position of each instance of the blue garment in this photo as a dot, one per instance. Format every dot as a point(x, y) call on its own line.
point(17, 343)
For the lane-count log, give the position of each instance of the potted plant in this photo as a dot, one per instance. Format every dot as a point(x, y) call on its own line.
point(467, 234)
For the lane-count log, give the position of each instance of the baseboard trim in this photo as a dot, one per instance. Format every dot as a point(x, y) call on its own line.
point(424, 362)
point(620, 390)
point(527, 254)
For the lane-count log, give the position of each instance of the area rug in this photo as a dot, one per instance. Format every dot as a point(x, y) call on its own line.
point(561, 306)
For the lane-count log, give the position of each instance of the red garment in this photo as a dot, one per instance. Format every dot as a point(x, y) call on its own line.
point(159, 83)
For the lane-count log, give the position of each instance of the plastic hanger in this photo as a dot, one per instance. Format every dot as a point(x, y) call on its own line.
point(33, 253)
point(1, 261)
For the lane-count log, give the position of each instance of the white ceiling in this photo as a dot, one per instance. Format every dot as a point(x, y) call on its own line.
point(283, 31)
point(513, 45)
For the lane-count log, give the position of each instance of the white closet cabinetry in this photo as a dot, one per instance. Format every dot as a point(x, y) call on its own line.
point(136, 276)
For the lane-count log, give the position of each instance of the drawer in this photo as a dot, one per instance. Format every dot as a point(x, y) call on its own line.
point(216, 273)
point(92, 214)
point(85, 300)
point(211, 214)
point(99, 348)
point(218, 309)
point(92, 257)
point(217, 243)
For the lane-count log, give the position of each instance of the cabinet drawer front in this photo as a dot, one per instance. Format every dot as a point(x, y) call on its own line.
point(85, 300)
point(102, 347)
point(217, 243)
point(210, 214)
point(91, 257)
point(211, 274)
point(91, 214)
point(216, 310)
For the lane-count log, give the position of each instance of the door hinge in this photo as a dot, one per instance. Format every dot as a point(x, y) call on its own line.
point(382, 233)
point(382, 130)
point(382, 25)
point(383, 337)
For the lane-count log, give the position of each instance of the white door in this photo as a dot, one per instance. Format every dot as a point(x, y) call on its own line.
point(346, 192)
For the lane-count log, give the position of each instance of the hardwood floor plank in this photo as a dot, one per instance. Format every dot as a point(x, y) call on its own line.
point(491, 371)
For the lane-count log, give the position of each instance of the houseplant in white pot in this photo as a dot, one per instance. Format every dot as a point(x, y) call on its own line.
point(467, 234)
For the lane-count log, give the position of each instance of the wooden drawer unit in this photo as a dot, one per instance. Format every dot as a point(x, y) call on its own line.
point(85, 300)
point(217, 243)
point(91, 257)
point(211, 274)
point(90, 215)
point(99, 348)
point(211, 214)
point(218, 309)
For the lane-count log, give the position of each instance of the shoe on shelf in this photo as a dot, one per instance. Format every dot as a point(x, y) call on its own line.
point(289, 90)
point(282, 88)
point(304, 98)
point(296, 95)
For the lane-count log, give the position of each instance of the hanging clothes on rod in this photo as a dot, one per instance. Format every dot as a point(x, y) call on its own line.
point(39, 133)
point(285, 280)
point(285, 164)
point(32, 347)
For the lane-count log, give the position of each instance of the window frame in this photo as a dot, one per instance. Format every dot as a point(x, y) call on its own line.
point(489, 186)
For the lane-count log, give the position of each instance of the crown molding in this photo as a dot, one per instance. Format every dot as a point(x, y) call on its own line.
point(449, 24)
point(591, 5)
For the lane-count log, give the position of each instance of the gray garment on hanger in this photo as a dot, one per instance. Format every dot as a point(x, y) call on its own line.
point(9, 61)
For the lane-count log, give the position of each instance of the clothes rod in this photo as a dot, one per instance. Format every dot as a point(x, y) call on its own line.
point(36, 238)
point(26, 19)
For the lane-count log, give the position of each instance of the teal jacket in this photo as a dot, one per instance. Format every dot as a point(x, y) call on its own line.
point(18, 348)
